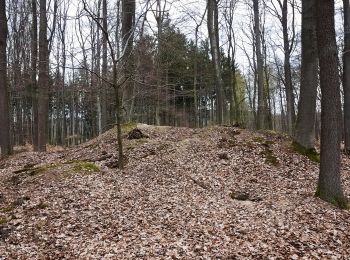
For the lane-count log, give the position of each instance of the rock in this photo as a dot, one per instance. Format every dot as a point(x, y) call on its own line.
point(223, 156)
point(136, 133)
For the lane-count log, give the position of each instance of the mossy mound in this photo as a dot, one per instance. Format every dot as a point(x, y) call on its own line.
point(86, 167)
point(310, 153)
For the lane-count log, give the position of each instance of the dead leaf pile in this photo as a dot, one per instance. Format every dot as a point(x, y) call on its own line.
point(185, 194)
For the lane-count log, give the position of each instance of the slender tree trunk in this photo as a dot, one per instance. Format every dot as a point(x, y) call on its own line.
point(305, 125)
point(346, 75)
point(329, 183)
point(260, 72)
point(34, 86)
point(287, 70)
point(5, 138)
point(43, 81)
point(103, 92)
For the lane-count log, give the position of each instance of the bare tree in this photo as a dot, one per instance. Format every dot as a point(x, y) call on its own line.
point(329, 184)
point(213, 32)
point(5, 139)
point(346, 74)
point(261, 117)
point(128, 23)
point(43, 80)
point(305, 125)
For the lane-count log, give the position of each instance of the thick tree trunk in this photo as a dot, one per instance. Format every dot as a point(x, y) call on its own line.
point(5, 138)
point(215, 52)
point(329, 184)
point(260, 72)
point(305, 125)
point(128, 20)
point(346, 74)
point(43, 81)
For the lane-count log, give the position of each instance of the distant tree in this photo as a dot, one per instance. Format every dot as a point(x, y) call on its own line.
point(329, 184)
point(5, 139)
point(305, 125)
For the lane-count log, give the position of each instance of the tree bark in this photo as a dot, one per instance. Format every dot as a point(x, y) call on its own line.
point(215, 52)
point(128, 21)
point(287, 70)
point(305, 125)
point(5, 137)
point(34, 85)
point(103, 95)
point(329, 183)
point(346, 75)
point(43, 80)
point(260, 73)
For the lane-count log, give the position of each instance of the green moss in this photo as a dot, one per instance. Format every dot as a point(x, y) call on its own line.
point(127, 127)
point(3, 221)
point(8, 208)
point(42, 205)
point(340, 202)
point(86, 167)
point(40, 225)
point(258, 139)
point(312, 154)
point(269, 157)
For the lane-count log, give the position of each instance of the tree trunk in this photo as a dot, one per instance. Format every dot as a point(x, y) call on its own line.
point(5, 138)
point(128, 20)
point(329, 183)
point(215, 52)
point(346, 75)
point(43, 80)
point(305, 125)
point(287, 70)
point(103, 95)
point(34, 86)
point(260, 72)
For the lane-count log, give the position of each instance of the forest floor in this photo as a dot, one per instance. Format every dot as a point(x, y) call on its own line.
point(212, 193)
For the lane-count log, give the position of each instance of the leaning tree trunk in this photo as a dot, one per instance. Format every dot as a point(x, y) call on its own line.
point(305, 125)
point(5, 138)
point(329, 183)
point(346, 75)
point(43, 80)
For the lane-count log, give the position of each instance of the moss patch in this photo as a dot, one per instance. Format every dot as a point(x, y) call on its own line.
point(127, 127)
point(258, 139)
point(42, 205)
point(340, 202)
point(312, 154)
point(269, 157)
point(3, 221)
point(86, 167)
